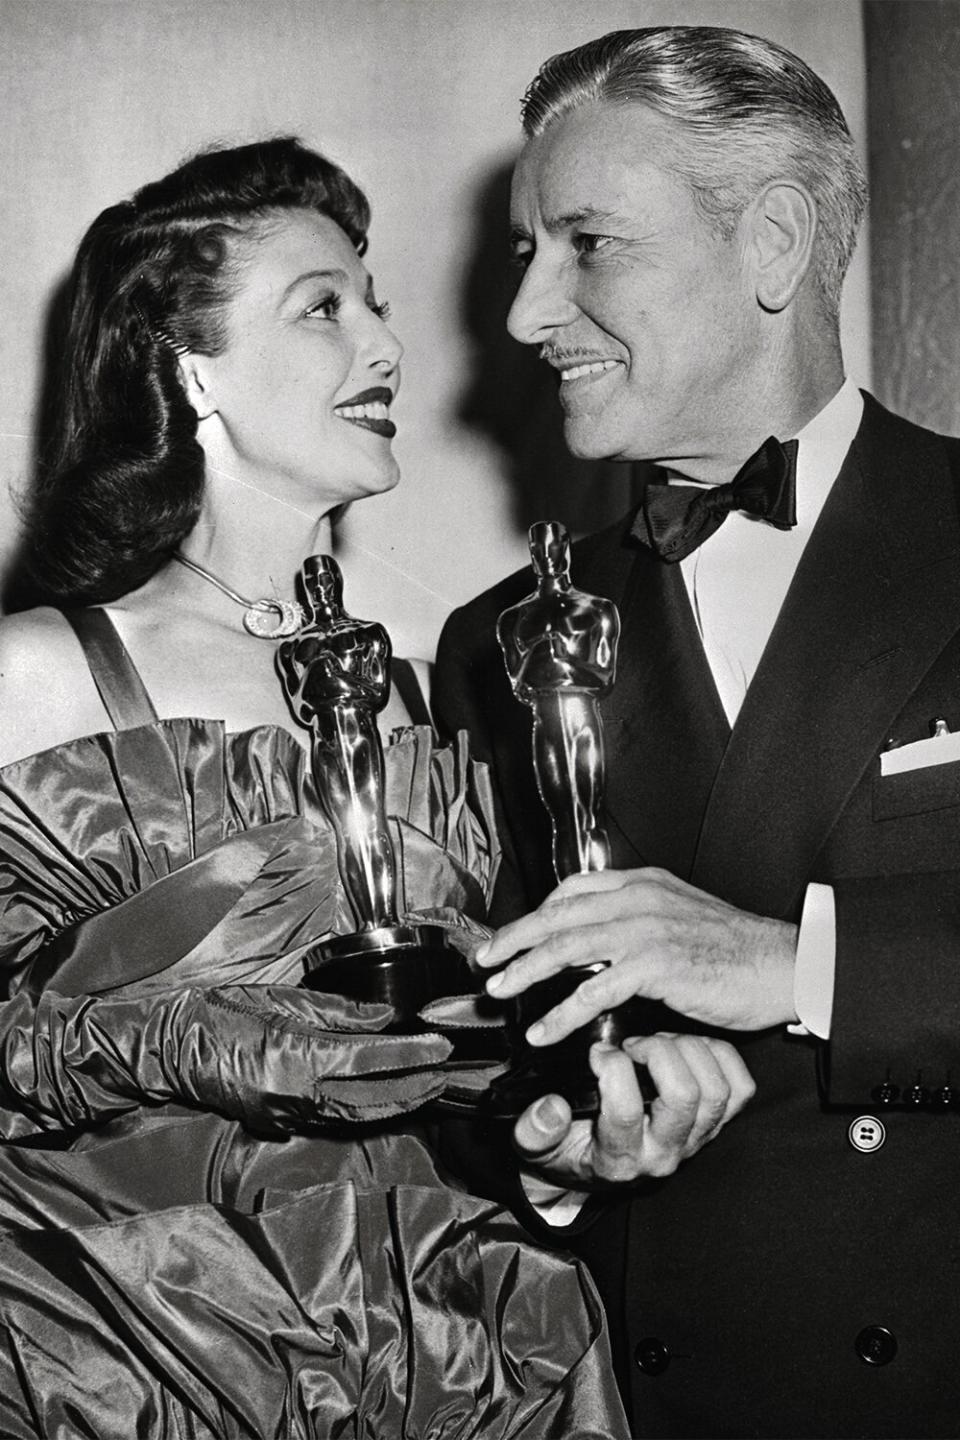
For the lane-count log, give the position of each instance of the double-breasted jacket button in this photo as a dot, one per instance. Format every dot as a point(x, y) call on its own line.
point(651, 1355)
point(876, 1345)
point(866, 1133)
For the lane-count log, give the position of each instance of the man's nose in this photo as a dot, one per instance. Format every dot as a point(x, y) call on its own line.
point(541, 305)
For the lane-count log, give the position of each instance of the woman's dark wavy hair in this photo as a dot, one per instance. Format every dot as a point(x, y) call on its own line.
point(122, 479)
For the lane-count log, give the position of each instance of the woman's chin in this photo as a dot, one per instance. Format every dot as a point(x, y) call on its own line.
point(374, 483)
point(362, 484)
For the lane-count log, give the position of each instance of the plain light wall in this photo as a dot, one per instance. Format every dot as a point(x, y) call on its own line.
point(418, 99)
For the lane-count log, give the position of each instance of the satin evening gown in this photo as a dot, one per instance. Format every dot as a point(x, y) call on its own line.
point(169, 1273)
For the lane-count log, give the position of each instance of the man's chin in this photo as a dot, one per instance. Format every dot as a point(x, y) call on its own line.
point(587, 443)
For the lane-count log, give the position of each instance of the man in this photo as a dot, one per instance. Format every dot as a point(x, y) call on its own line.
point(783, 787)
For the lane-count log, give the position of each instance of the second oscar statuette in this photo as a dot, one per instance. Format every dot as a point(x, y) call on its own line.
point(560, 650)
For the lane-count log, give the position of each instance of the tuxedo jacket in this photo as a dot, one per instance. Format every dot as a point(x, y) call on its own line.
point(801, 1275)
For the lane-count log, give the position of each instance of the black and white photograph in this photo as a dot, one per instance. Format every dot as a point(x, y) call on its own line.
point(480, 720)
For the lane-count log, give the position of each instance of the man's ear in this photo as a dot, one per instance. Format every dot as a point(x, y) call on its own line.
point(783, 228)
point(197, 383)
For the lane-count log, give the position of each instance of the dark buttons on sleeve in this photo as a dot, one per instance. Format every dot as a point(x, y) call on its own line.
point(886, 1094)
point(876, 1345)
point(651, 1356)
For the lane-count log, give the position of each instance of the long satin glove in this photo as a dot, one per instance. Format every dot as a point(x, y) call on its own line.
point(275, 1057)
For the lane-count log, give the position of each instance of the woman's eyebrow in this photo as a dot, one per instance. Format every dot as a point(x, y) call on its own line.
point(337, 276)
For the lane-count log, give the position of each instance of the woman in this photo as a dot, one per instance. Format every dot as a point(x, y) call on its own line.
point(186, 1249)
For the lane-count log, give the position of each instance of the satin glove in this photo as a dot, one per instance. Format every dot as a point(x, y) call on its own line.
point(464, 933)
point(275, 1057)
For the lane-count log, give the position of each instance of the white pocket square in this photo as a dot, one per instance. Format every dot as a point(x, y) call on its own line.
point(938, 750)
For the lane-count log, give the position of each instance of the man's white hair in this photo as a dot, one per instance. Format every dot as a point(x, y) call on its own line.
point(745, 112)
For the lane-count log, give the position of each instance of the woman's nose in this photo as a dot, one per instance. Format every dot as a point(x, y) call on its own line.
point(540, 306)
point(384, 349)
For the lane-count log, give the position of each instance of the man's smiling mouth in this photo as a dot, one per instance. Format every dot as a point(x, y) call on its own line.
point(591, 367)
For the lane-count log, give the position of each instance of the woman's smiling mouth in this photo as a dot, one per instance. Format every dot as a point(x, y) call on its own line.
point(370, 410)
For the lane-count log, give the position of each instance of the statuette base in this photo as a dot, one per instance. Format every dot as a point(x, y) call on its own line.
point(404, 966)
point(564, 1069)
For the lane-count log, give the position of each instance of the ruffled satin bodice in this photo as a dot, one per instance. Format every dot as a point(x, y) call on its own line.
point(212, 851)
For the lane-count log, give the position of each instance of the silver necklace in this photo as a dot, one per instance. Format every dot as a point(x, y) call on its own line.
point(288, 615)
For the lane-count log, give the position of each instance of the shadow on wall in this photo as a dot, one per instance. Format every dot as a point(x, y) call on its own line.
point(914, 129)
point(18, 592)
point(512, 396)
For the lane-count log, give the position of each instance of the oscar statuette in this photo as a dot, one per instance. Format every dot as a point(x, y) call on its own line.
point(560, 650)
point(336, 676)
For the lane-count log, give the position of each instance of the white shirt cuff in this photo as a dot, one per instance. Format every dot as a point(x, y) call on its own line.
point(813, 977)
point(554, 1206)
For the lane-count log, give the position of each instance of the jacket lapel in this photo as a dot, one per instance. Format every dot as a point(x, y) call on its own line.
point(884, 562)
point(664, 726)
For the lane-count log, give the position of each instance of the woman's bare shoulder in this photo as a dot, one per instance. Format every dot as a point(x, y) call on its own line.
point(33, 639)
point(47, 694)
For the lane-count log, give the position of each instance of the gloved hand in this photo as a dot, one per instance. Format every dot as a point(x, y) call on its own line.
point(275, 1057)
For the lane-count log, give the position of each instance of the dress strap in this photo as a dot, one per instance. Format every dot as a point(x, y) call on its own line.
point(122, 691)
point(407, 686)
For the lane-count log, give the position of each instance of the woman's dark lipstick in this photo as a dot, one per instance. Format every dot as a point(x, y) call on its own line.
point(369, 411)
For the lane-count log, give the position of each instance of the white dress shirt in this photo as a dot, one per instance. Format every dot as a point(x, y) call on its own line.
point(737, 581)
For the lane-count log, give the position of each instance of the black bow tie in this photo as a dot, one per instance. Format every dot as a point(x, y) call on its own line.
point(674, 519)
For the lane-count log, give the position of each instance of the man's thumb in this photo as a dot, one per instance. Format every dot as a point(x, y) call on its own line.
point(543, 1125)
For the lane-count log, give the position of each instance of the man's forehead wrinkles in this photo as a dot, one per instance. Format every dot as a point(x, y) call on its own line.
point(568, 220)
point(580, 215)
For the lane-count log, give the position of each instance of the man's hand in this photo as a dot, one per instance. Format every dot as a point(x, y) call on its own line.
point(660, 938)
point(701, 1084)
